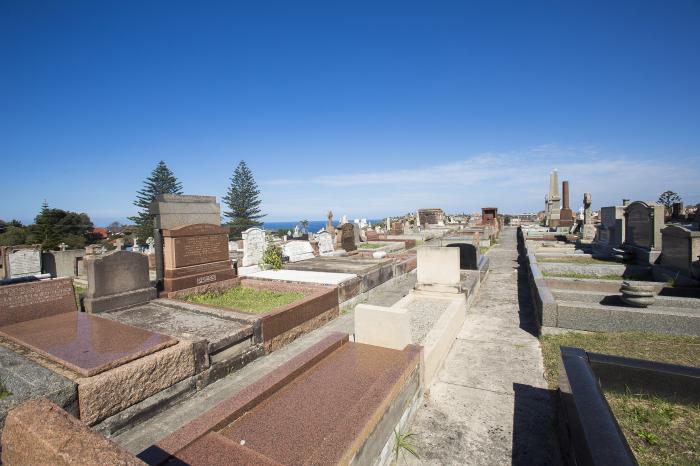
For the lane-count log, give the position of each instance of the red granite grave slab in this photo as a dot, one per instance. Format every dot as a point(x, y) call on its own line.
point(27, 301)
point(320, 413)
point(85, 343)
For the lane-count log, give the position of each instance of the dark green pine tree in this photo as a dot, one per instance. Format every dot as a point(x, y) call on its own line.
point(161, 181)
point(243, 201)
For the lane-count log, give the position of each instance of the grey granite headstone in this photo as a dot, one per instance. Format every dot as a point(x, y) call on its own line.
point(117, 280)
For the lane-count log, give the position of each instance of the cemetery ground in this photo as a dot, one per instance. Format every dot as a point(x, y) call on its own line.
point(659, 430)
point(246, 299)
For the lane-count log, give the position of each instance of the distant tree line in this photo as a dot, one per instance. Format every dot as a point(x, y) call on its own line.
point(51, 227)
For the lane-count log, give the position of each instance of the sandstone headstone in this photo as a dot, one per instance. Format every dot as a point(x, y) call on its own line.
point(325, 243)
point(329, 223)
point(195, 255)
point(347, 237)
point(298, 250)
point(356, 234)
point(438, 269)
point(117, 280)
point(34, 300)
point(680, 249)
point(253, 246)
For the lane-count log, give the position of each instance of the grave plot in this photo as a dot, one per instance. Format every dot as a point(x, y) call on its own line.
point(430, 315)
point(114, 365)
point(284, 310)
point(336, 403)
point(371, 272)
point(581, 293)
point(611, 403)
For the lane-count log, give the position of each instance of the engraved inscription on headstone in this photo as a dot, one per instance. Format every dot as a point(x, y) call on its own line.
point(27, 301)
point(24, 262)
point(298, 250)
point(194, 250)
point(639, 225)
point(325, 243)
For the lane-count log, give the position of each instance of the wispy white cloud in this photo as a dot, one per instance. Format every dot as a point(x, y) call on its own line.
point(514, 181)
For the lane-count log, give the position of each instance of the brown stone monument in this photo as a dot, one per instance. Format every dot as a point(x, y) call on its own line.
point(195, 256)
point(347, 237)
point(566, 215)
point(329, 223)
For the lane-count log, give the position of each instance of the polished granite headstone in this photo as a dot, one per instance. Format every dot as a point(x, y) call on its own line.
point(196, 255)
point(27, 301)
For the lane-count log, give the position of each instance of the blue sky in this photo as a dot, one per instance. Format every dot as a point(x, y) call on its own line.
point(367, 109)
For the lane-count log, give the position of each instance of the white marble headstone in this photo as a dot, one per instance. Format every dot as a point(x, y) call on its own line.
point(298, 250)
point(253, 246)
point(24, 262)
point(325, 243)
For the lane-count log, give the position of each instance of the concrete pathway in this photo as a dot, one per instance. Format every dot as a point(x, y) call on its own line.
point(489, 404)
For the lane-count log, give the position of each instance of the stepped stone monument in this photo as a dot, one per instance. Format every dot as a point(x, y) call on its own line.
point(191, 246)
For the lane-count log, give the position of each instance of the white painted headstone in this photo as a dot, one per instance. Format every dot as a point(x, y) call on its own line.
point(151, 245)
point(253, 246)
point(325, 243)
point(298, 250)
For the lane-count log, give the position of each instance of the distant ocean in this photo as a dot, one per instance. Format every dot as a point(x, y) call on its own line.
point(314, 225)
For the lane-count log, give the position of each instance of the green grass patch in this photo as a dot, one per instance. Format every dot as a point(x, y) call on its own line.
point(659, 431)
point(246, 299)
point(371, 245)
point(77, 289)
point(483, 249)
point(673, 349)
point(581, 275)
point(578, 260)
point(4, 392)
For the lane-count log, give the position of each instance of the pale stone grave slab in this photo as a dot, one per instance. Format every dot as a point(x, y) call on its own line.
point(298, 250)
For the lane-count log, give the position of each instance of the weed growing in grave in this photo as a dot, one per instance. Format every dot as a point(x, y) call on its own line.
point(403, 445)
point(4, 392)
point(483, 249)
point(273, 256)
point(672, 282)
point(370, 246)
point(78, 291)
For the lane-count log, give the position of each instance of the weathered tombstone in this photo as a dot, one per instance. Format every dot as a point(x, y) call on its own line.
point(117, 280)
point(21, 261)
point(611, 231)
point(372, 235)
point(34, 300)
point(488, 215)
point(680, 248)
point(195, 255)
point(438, 269)
point(356, 233)
point(347, 237)
point(119, 244)
point(172, 211)
point(253, 246)
point(467, 256)
point(297, 232)
point(325, 243)
point(63, 263)
point(151, 245)
point(643, 224)
point(93, 249)
point(298, 250)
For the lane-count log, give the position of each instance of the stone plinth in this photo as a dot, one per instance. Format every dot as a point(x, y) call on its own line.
point(195, 255)
point(117, 280)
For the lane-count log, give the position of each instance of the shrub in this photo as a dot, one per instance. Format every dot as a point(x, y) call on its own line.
point(273, 256)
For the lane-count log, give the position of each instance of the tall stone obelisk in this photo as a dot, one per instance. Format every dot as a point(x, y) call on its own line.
point(554, 200)
point(566, 216)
